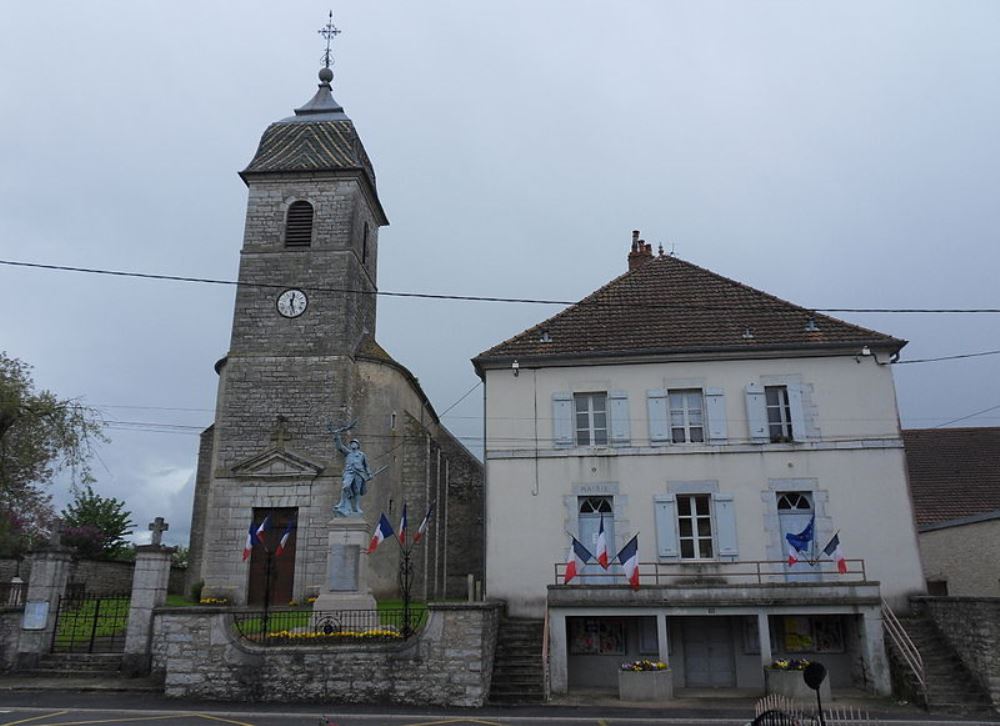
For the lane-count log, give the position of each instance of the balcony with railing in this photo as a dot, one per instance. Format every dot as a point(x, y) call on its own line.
point(717, 583)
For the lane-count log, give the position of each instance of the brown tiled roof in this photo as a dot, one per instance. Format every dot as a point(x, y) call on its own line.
point(668, 305)
point(954, 473)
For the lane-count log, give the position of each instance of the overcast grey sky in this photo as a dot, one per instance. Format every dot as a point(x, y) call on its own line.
point(838, 154)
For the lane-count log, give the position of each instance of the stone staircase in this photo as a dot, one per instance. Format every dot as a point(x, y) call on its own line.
point(518, 673)
point(77, 665)
point(950, 687)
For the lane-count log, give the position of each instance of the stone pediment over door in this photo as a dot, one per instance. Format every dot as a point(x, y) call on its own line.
point(277, 464)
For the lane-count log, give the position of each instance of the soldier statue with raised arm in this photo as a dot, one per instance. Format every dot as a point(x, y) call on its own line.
point(354, 483)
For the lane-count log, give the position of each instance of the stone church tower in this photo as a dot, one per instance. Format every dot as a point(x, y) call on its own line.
point(303, 357)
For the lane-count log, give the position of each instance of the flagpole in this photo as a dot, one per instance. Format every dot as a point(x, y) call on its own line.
point(267, 590)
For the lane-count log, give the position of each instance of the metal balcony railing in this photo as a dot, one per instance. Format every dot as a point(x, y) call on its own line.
point(723, 574)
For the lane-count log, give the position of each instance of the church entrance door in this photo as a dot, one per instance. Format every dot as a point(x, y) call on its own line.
point(282, 567)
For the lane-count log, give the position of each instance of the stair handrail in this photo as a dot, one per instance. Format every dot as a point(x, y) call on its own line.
point(545, 655)
point(905, 645)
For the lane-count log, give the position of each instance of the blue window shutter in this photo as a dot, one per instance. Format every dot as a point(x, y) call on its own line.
point(665, 506)
point(796, 410)
point(725, 521)
point(659, 423)
point(757, 413)
point(562, 419)
point(715, 409)
point(620, 428)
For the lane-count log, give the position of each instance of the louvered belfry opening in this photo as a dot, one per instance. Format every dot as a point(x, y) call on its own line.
point(299, 225)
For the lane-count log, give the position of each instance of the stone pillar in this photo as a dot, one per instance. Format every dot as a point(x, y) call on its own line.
point(873, 650)
point(150, 579)
point(663, 638)
point(764, 638)
point(346, 585)
point(49, 574)
point(558, 653)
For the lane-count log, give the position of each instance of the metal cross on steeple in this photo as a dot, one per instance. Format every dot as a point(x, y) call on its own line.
point(328, 31)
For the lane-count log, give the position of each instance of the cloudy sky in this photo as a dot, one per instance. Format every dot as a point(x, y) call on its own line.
point(840, 154)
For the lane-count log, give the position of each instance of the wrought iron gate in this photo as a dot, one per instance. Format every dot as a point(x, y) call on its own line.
point(91, 623)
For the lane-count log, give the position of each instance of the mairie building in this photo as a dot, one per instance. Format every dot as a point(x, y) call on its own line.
point(709, 420)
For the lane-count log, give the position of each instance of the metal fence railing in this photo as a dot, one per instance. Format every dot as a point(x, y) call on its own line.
point(316, 627)
point(738, 572)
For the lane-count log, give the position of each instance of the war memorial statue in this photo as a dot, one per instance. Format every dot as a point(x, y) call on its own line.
point(354, 483)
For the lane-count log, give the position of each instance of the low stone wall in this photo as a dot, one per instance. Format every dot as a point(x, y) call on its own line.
point(10, 630)
point(450, 663)
point(99, 576)
point(972, 627)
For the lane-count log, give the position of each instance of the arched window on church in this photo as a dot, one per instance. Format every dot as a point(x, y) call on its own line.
point(299, 225)
point(364, 246)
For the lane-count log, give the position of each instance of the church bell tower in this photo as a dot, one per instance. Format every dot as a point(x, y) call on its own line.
point(304, 305)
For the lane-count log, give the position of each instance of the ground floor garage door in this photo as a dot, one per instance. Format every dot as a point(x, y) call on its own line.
point(708, 653)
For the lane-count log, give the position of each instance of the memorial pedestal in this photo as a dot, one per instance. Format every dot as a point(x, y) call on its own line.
point(346, 567)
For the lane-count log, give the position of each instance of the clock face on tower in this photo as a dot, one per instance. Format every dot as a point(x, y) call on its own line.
point(292, 303)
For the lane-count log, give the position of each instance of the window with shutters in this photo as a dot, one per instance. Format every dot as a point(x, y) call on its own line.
point(687, 419)
point(779, 414)
point(591, 412)
point(694, 526)
point(299, 224)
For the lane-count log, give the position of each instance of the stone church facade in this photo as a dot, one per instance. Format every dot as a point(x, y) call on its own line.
point(303, 358)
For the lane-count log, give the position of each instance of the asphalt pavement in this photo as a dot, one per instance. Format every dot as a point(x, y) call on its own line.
point(58, 703)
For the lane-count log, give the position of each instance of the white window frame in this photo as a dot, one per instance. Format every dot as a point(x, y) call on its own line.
point(697, 540)
point(783, 418)
point(591, 430)
point(679, 412)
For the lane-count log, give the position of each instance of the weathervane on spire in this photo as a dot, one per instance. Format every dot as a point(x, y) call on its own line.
point(328, 31)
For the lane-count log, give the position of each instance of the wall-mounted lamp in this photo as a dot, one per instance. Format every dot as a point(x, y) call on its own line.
point(516, 367)
point(865, 352)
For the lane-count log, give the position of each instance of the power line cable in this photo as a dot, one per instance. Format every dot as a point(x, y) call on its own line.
point(463, 397)
point(777, 307)
point(948, 357)
point(971, 415)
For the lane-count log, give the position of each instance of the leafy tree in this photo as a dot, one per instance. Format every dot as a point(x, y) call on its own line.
point(179, 558)
point(96, 525)
point(40, 435)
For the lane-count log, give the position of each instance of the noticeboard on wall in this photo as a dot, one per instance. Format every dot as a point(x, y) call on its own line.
point(596, 636)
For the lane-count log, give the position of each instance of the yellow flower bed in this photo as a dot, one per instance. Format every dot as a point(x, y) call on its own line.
point(335, 635)
point(214, 601)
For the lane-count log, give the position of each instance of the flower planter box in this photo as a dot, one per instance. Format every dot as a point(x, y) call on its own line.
point(646, 685)
point(791, 685)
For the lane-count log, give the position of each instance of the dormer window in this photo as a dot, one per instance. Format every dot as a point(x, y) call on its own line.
point(299, 225)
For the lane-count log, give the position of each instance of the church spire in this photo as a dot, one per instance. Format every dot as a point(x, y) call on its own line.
point(324, 102)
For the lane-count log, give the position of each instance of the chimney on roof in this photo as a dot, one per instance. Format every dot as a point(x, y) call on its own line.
point(640, 254)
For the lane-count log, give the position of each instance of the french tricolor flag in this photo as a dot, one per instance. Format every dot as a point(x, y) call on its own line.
point(284, 538)
point(382, 530)
point(833, 550)
point(402, 526)
point(251, 541)
point(578, 557)
point(629, 557)
point(422, 529)
point(602, 545)
point(264, 526)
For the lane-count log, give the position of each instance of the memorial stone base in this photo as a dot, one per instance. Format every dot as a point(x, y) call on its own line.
point(346, 585)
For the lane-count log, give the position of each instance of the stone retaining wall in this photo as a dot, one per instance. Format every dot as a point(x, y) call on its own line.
point(10, 630)
point(450, 663)
point(99, 576)
point(972, 627)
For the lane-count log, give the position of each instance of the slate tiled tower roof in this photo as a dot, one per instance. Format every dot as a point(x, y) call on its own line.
point(665, 305)
point(319, 137)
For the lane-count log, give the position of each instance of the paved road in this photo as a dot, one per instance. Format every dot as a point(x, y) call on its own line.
point(67, 708)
